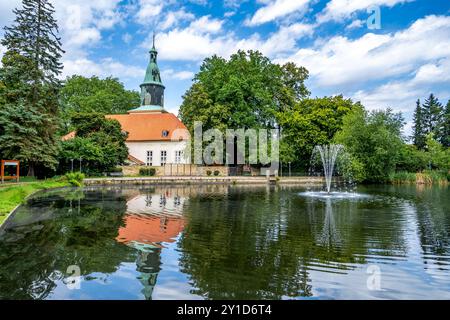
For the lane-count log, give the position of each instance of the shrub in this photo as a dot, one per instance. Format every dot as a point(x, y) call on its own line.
point(147, 172)
point(116, 169)
point(208, 172)
point(216, 172)
point(75, 178)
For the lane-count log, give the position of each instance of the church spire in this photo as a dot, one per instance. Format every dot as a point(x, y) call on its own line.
point(153, 47)
point(152, 89)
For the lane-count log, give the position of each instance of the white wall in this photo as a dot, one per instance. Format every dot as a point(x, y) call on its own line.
point(171, 204)
point(139, 150)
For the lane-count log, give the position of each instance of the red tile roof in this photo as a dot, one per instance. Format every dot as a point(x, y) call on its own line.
point(148, 229)
point(149, 126)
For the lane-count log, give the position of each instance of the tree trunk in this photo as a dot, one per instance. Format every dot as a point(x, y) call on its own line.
point(30, 170)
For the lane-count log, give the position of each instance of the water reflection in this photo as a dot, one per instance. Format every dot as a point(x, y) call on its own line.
point(330, 236)
point(227, 242)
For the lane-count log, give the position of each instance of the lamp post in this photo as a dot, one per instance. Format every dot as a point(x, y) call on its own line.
point(72, 163)
point(80, 163)
point(289, 168)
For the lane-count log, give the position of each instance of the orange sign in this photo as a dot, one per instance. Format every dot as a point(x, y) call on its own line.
point(5, 163)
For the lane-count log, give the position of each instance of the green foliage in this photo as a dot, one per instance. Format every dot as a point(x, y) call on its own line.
point(30, 85)
point(22, 138)
point(402, 177)
point(75, 178)
point(99, 142)
point(216, 173)
point(94, 95)
point(374, 140)
point(445, 128)
point(245, 91)
point(438, 157)
point(412, 159)
point(432, 115)
point(309, 123)
point(147, 172)
point(427, 177)
point(431, 118)
point(418, 127)
point(13, 195)
point(208, 172)
point(351, 168)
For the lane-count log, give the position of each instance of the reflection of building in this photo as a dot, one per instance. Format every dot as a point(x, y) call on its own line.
point(151, 219)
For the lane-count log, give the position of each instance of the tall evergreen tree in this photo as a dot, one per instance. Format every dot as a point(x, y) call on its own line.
point(432, 115)
point(445, 130)
point(31, 66)
point(418, 128)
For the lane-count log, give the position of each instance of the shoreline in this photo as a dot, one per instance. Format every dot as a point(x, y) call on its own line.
point(148, 181)
point(14, 195)
point(189, 180)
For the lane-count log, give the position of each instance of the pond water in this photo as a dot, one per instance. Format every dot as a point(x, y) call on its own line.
point(228, 242)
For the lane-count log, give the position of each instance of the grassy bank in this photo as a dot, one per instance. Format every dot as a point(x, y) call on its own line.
point(426, 178)
point(12, 195)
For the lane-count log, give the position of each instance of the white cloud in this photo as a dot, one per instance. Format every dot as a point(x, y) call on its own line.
point(275, 9)
point(339, 10)
point(200, 40)
point(103, 68)
point(341, 61)
point(80, 22)
point(433, 73)
point(84, 36)
point(206, 25)
point(401, 95)
point(148, 9)
point(180, 75)
point(127, 38)
point(174, 18)
point(355, 24)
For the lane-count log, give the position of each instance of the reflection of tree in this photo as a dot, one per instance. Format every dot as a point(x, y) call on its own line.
point(41, 244)
point(244, 247)
point(433, 217)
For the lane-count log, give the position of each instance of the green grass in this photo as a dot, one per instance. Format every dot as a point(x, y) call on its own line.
point(11, 195)
point(428, 177)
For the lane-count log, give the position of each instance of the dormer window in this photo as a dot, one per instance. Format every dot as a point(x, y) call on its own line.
point(165, 133)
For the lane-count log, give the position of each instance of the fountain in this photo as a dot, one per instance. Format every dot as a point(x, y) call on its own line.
point(328, 154)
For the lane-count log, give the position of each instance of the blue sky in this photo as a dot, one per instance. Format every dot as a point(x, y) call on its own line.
point(407, 58)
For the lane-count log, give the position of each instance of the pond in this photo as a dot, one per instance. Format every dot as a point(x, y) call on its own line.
point(228, 242)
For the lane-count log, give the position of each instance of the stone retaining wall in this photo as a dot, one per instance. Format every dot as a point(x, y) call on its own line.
point(200, 180)
point(177, 170)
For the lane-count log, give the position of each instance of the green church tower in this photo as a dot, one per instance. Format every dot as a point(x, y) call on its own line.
point(152, 89)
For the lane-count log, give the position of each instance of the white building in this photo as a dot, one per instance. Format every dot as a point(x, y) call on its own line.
point(155, 137)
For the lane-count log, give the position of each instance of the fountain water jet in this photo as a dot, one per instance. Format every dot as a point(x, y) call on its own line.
point(328, 155)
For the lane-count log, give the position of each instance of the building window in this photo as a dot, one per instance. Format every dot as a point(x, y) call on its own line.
point(163, 158)
point(165, 133)
point(178, 156)
point(149, 158)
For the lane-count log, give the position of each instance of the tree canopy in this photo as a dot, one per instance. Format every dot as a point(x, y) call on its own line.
point(30, 86)
point(95, 95)
point(246, 91)
point(309, 123)
point(99, 142)
point(374, 141)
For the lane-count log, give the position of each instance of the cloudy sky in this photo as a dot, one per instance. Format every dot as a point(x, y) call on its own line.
point(406, 58)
